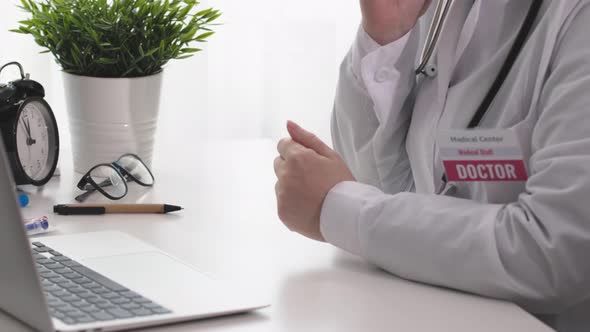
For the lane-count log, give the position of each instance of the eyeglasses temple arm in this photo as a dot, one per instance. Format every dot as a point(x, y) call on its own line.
point(82, 197)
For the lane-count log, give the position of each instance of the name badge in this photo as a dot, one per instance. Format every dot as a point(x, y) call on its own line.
point(482, 156)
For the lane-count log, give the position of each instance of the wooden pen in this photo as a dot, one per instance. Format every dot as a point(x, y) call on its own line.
point(99, 209)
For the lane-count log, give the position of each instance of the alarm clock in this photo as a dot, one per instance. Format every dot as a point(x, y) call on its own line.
point(29, 130)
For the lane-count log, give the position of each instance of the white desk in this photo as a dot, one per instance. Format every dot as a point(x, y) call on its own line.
point(230, 229)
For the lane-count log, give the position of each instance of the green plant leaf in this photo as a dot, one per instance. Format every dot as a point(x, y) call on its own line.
point(106, 61)
point(190, 50)
point(116, 38)
point(205, 35)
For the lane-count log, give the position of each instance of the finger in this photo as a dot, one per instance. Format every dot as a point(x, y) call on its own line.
point(287, 147)
point(278, 164)
point(277, 191)
point(278, 194)
point(308, 140)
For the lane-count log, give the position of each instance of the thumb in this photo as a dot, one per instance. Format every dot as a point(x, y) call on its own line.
point(308, 139)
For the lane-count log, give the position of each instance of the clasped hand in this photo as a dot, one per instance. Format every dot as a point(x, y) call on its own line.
point(388, 20)
point(307, 169)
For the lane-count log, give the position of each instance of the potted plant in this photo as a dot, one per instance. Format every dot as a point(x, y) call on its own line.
point(112, 53)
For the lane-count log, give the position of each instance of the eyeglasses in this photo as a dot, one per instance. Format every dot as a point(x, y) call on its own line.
point(111, 179)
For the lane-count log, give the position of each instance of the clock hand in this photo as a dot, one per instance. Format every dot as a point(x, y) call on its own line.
point(28, 126)
point(30, 140)
point(22, 122)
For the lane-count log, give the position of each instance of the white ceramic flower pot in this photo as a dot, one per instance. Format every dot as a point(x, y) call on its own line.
point(111, 116)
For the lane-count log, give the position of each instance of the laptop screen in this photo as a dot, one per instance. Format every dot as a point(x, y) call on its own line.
point(21, 295)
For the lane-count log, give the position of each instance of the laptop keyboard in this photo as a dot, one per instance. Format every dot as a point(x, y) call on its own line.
point(77, 295)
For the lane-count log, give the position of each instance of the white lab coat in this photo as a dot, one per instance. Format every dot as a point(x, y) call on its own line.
point(528, 243)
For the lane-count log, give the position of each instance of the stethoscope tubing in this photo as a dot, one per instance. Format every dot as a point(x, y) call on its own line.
point(441, 12)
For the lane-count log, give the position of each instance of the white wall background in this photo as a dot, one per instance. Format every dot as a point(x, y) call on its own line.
point(270, 61)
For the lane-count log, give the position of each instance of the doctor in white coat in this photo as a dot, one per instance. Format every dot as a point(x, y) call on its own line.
point(375, 194)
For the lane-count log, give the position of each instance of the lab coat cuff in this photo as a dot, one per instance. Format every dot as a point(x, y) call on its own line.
point(340, 215)
point(365, 47)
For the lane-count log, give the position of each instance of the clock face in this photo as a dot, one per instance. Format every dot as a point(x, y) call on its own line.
point(36, 140)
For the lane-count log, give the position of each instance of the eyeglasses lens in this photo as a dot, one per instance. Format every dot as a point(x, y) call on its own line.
point(109, 180)
point(137, 169)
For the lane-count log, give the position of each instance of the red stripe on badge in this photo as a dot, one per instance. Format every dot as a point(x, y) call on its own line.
point(485, 170)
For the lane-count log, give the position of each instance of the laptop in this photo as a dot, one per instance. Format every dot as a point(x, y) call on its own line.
point(103, 281)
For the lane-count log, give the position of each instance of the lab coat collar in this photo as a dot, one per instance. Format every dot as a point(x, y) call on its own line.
point(455, 36)
point(457, 33)
point(468, 30)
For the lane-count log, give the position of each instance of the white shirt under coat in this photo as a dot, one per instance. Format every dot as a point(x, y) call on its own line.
point(528, 243)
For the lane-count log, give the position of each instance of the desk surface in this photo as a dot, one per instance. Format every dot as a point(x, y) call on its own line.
point(230, 229)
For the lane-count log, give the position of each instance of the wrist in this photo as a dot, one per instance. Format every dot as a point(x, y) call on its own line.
point(383, 35)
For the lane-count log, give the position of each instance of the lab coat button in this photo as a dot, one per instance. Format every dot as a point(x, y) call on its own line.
point(382, 75)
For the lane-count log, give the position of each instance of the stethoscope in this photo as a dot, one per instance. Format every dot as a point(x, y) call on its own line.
point(430, 70)
point(440, 17)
